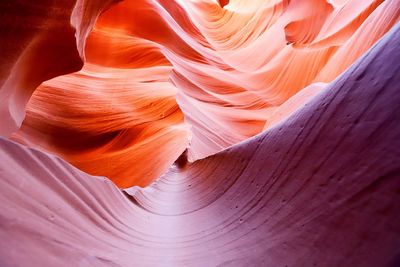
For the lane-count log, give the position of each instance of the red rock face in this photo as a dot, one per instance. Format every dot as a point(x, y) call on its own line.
point(39, 42)
point(260, 133)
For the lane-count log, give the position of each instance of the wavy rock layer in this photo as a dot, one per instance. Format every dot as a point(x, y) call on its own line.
point(237, 68)
point(116, 117)
point(39, 42)
point(259, 55)
point(122, 123)
point(299, 194)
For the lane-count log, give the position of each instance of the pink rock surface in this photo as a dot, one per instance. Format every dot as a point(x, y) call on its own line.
point(162, 76)
point(320, 188)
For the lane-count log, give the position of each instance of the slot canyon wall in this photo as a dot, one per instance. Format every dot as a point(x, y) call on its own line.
point(200, 133)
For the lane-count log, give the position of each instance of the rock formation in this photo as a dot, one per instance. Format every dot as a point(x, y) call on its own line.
point(200, 133)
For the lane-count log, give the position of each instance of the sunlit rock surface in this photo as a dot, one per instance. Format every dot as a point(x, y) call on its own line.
point(235, 69)
point(122, 123)
point(39, 41)
point(281, 118)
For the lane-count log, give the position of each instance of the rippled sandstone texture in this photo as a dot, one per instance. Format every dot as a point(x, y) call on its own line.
point(39, 41)
point(163, 76)
point(298, 194)
point(319, 186)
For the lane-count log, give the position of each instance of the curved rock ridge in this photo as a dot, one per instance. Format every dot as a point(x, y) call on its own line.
point(260, 54)
point(236, 68)
point(116, 117)
point(320, 188)
point(121, 123)
point(235, 65)
point(39, 41)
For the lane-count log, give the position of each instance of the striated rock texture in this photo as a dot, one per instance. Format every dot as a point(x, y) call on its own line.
point(320, 188)
point(39, 41)
point(159, 77)
point(122, 123)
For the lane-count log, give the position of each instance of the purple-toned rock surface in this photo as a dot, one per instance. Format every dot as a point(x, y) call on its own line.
point(321, 188)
